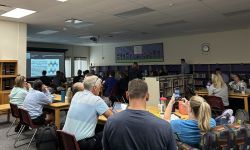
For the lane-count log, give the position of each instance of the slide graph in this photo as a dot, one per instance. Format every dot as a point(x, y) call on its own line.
point(38, 65)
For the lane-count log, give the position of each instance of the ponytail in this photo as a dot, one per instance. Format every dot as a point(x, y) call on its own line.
point(204, 116)
point(202, 112)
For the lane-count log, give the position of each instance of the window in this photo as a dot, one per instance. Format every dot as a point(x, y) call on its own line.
point(80, 63)
point(68, 67)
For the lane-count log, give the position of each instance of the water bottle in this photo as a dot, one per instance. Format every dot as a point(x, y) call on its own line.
point(63, 93)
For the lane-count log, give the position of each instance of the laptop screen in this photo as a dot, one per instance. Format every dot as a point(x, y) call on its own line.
point(119, 106)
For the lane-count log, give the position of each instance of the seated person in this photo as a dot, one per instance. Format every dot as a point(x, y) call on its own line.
point(35, 101)
point(18, 94)
point(223, 75)
point(19, 91)
point(219, 88)
point(45, 79)
point(199, 122)
point(237, 83)
point(78, 86)
point(135, 128)
point(79, 77)
point(85, 108)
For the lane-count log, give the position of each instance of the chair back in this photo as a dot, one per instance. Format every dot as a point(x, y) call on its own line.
point(26, 119)
point(14, 110)
point(67, 141)
point(216, 104)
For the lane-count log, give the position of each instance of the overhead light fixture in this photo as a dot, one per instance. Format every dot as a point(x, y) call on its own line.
point(74, 21)
point(18, 13)
point(47, 32)
point(62, 0)
point(85, 37)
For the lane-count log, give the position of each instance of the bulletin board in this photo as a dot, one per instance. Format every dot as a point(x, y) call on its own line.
point(140, 53)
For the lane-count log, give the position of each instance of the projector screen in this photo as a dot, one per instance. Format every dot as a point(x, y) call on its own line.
point(39, 61)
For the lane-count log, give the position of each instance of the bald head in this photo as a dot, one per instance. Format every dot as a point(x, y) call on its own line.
point(78, 86)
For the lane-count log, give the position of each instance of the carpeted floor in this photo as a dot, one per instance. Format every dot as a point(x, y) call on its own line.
point(8, 143)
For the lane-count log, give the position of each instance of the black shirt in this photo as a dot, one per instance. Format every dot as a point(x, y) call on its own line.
point(137, 130)
point(46, 80)
point(78, 79)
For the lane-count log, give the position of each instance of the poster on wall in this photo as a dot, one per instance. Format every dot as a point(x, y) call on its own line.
point(140, 53)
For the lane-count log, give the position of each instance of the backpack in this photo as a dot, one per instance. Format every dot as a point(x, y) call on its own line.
point(46, 138)
point(241, 116)
point(233, 136)
point(225, 118)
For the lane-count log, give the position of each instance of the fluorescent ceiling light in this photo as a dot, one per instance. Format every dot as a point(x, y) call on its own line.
point(47, 32)
point(85, 37)
point(18, 13)
point(74, 21)
point(62, 0)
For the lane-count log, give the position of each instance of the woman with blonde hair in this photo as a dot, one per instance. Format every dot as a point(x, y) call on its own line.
point(19, 91)
point(219, 88)
point(199, 120)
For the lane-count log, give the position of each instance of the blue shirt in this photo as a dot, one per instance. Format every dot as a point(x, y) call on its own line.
point(34, 102)
point(82, 117)
point(137, 130)
point(109, 84)
point(188, 131)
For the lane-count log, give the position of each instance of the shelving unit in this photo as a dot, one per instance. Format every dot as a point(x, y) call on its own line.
point(8, 73)
point(165, 85)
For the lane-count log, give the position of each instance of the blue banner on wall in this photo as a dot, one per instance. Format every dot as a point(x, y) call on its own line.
point(140, 53)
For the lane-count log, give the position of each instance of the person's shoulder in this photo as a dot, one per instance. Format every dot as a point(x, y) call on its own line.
point(117, 117)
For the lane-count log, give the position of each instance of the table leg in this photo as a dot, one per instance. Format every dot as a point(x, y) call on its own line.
point(246, 103)
point(57, 118)
point(8, 116)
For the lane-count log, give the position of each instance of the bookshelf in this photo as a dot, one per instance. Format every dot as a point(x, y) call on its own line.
point(164, 86)
point(8, 73)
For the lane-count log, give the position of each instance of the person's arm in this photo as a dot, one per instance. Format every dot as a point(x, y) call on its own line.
point(108, 113)
point(168, 111)
point(210, 90)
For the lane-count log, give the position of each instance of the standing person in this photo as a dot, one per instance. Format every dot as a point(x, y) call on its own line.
point(219, 88)
point(135, 128)
point(85, 108)
point(79, 77)
point(199, 120)
point(109, 84)
point(135, 72)
point(45, 79)
point(223, 75)
point(122, 85)
point(36, 100)
point(185, 68)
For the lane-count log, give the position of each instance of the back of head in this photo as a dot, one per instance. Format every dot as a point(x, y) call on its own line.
point(86, 72)
point(218, 81)
point(112, 73)
point(137, 89)
point(19, 81)
point(79, 72)
point(90, 81)
point(202, 112)
point(78, 86)
point(44, 72)
point(58, 73)
point(37, 85)
point(183, 60)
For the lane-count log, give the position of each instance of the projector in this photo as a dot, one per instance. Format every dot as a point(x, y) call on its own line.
point(94, 39)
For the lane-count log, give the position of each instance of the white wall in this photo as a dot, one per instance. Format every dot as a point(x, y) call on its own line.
point(73, 51)
point(13, 43)
point(226, 47)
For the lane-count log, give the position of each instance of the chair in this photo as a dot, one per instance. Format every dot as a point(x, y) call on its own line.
point(216, 104)
point(67, 141)
point(25, 120)
point(184, 146)
point(15, 114)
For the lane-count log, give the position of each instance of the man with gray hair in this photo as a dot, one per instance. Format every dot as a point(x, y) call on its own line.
point(135, 128)
point(85, 108)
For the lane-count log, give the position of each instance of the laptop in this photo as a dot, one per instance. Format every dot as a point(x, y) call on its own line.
point(118, 106)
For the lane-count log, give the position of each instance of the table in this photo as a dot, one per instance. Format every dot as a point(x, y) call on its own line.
point(4, 108)
point(153, 109)
point(57, 107)
point(231, 94)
